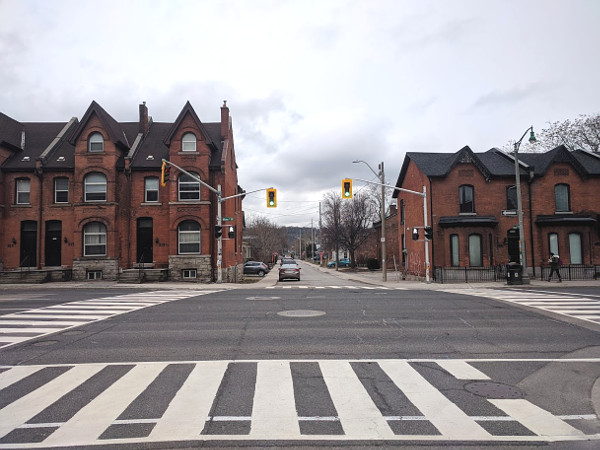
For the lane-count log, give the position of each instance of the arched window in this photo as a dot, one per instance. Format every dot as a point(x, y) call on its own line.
point(188, 142)
point(94, 185)
point(188, 237)
point(575, 249)
point(475, 259)
point(561, 198)
point(466, 198)
point(94, 239)
point(95, 143)
point(188, 187)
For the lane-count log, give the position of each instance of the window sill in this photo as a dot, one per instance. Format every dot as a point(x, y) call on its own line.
point(151, 204)
point(22, 205)
point(189, 153)
point(467, 214)
point(192, 202)
point(563, 212)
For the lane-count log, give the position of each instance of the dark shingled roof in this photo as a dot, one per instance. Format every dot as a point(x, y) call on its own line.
point(61, 154)
point(496, 163)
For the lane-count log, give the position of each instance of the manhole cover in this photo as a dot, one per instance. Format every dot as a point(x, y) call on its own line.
point(43, 343)
point(490, 389)
point(301, 313)
point(263, 298)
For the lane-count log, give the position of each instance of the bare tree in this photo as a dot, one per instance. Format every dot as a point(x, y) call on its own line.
point(265, 238)
point(582, 133)
point(356, 223)
point(331, 216)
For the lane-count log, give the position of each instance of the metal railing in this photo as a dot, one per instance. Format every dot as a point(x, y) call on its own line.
point(574, 272)
point(469, 274)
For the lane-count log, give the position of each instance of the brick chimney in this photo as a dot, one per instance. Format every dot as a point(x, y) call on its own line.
point(224, 120)
point(143, 128)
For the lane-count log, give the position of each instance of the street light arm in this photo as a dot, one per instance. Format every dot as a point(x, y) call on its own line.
point(367, 164)
point(531, 138)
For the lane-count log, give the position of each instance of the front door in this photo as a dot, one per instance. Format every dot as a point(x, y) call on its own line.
point(28, 256)
point(513, 245)
point(144, 240)
point(53, 243)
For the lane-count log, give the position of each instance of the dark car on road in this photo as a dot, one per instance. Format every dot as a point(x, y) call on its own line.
point(289, 272)
point(255, 268)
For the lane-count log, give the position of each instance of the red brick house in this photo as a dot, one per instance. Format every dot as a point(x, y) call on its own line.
point(471, 199)
point(86, 195)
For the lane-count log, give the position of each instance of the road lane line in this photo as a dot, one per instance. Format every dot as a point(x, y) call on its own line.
point(274, 408)
point(448, 418)
point(536, 419)
point(359, 416)
point(188, 411)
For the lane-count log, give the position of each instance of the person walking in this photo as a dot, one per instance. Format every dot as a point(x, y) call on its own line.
point(554, 267)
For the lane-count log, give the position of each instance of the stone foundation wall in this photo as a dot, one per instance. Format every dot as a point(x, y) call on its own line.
point(177, 263)
point(108, 266)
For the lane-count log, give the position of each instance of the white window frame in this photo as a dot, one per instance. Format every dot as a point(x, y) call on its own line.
point(575, 248)
point(562, 200)
point(189, 274)
point(454, 250)
point(94, 235)
point(23, 191)
point(58, 190)
point(96, 143)
point(475, 250)
point(94, 275)
point(189, 238)
point(188, 142)
point(89, 183)
point(187, 185)
point(463, 189)
point(553, 243)
point(151, 188)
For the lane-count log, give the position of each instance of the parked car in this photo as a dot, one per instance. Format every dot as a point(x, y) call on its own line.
point(344, 262)
point(289, 272)
point(255, 268)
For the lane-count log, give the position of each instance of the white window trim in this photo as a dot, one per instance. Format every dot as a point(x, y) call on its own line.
point(146, 190)
point(179, 183)
point(102, 242)
point(188, 141)
point(92, 141)
point(86, 183)
point(20, 183)
point(56, 190)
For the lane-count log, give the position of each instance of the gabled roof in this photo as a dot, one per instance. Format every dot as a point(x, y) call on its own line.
point(10, 132)
point(112, 127)
point(188, 109)
point(542, 161)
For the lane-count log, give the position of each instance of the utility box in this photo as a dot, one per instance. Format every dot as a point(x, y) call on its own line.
point(513, 274)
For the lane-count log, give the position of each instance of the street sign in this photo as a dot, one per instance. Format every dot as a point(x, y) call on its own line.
point(509, 212)
point(227, 219)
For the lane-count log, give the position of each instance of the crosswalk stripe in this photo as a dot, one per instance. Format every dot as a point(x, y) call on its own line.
point(20, 411)
point(189, 409)
point(97, 416)
point(274, 408)
point(15, 374)
point(538, 420)
point(448, 418)
point(461, 370)
point(359, 416)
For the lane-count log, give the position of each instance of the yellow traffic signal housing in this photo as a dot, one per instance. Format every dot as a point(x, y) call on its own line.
point(347, 188)
point(271, 198)
point(164, 173)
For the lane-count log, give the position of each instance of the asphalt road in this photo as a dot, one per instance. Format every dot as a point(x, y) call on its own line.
point(305, 363)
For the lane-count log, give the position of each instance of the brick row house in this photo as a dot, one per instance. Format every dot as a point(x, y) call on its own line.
point(86, 195)
point(472, 203)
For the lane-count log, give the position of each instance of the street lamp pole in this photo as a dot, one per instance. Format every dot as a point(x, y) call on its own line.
point(381, 177)
point(522, 249)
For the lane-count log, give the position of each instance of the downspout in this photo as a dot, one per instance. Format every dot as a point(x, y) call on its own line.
point(531, 234)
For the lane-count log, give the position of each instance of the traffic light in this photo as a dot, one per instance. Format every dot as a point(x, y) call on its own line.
point(218, 231)
point(428, 231)
point(164, 173)
point(271, 198)
point(415, 234)
point(347, 188)
point(231, 233)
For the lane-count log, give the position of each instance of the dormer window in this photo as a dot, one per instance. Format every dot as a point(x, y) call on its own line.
point(95, 143)
point(188, 142)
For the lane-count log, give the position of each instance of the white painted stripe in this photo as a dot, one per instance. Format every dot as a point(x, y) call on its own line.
point(448, 418)
point(67, 313)
point(536, 419)
point(33, 331)
point(359, 416)
point(14, 339)
point(50, 323)
point(274, 408)
point(187, 412)
point(91, 421)
point(11, 376)
point(80, 317)
point(462, 370)
point(28, 406)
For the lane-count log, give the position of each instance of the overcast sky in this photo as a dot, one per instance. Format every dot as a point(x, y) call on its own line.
point(311, 85)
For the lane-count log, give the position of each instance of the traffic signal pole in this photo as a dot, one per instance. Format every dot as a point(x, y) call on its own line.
point(421, 194)
point(218, 221)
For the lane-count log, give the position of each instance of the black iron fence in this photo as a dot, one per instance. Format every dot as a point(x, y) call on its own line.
point(574, 272)
point(469, 274)
point(570, 272)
